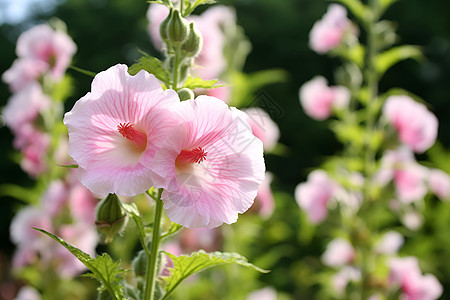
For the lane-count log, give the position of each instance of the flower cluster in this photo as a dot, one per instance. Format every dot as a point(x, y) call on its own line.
point(128, 135)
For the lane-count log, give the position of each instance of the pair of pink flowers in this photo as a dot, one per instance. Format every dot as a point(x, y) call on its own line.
point(128, 135)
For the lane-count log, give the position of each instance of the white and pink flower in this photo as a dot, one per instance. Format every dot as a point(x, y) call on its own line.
point(263, 127)
point(415, 124)
point(439, 183)
point(313, 195)
point(211, 164)
point(318, 99)
point(22, 72)
point(339, 252)
point(329, 32)
point(116, 129)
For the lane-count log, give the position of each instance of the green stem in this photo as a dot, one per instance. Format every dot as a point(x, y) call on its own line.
point(151, 267)
point(176, 68)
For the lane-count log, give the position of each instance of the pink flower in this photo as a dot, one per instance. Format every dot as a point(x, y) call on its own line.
point(223, 93)
point(409, 177)
point(156, 13)
point(194, 239)
point(416, 126)
point(389, 243)
point(406, 273)
point(314, 195)
point(27, 293)
point(34, 155)
point(267, 293)
point(328, 33)
point(82, 203)
point(439, 183)
point(22, 72)
point(116, 129)
point(55, 198)
point(318, 99)
point(264, 202)
point(212, 165)
point(339, 252)
point(53, 47)
point(341, 279)
point(263, 127)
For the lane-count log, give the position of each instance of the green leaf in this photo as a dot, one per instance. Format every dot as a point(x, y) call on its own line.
point(172, 230)
point(153, 66)
point(394, 55)
point(103, 268)
point(197, 82)
point(190, 7)
point(185, 266)
point(26, 195)
point(69, 166)
point(357, 8)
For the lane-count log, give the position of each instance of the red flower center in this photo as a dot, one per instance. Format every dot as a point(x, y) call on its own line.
point(196, 155)
point(130, 133)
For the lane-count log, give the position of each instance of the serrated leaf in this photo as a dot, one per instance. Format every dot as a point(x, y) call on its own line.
point(185, 266)
point(103, 268)
point(190, 7)
point(197, 82)
point(153, 66)
point(394, 55)
point(356, 7)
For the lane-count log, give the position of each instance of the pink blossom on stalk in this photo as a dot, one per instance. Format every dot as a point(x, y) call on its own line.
point(339, 252)
point(34, 155)
point(53, 47)
point(416, 125)
point(116, 129)
point(264, 202)
point(328, 33)
point(22, 72)
point(211, 163)
point(405, 272)
point(318, 99)
point(313, 195)
point(263, 127)
point(439, 183)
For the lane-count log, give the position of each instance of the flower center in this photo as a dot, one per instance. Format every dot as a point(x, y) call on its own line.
point(130, 133)
point(196, 155)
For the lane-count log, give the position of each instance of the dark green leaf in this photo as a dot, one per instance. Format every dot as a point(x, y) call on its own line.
point(153, 66)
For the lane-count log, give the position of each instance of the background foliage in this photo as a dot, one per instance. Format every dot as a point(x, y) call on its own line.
point(111, 31)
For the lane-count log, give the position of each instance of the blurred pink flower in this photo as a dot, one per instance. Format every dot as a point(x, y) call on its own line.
point(263, 127)
point(156, 13)
point(264, 202)
point(318, 99)
point(416, 126)
point(53, 47)
point(194, 239)
point(82, 203)
point(116, 129)
point(412, 219)
point(211, 163)
point(405, 272)
point(27, 293)
point(34, 155)
point(328, 32)
point(341, 279)
point(22, 72)
point(223, 93)
point(439, 183)
point(389, 243)
point(313, 195)
point(339, 252)
point(267, 293)
point(55, 198)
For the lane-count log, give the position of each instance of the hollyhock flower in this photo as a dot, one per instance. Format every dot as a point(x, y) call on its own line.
point(82, 203)
point(22, 72)
point(263, 127)
point(405, 272)
point(25, 106)
point(21, 230)
point(267, 293)
point(313, 196)
point(156, 13)
point(439, 183)
point(338, 253)
point(264, 202)
point(116, 129)
point(416, 126)
point(318, 99)
point(211, 164)
point(192, 240)
point(328, 33)
point(55, 198)
point(44, 44)
point(341, 279)
point(409, 177)
point(389, 243)
point(27, 293)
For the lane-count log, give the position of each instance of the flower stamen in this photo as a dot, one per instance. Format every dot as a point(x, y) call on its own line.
point(130, 133)
point(196, 155)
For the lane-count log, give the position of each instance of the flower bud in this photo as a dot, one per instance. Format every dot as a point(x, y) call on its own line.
point(111, 218)
point(194, 41)
point(140, 263)
point(177, 29)
point(185, 94)
point(163, 28)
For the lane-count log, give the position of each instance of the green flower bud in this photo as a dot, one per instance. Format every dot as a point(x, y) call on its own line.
point(111, 218)
point(163, 28)
point(177, 29)
point(140, 263)
point(185, 94)
point(194, 42)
